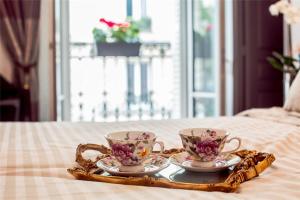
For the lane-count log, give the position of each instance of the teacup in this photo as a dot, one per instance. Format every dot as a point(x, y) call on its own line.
point(206, 144)
point(132, 148)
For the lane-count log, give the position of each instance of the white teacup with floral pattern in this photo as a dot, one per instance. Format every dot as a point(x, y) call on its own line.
point(132, 148)
point(206, 144)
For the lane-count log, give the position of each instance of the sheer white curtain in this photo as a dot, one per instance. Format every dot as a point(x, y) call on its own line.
point(46, 63)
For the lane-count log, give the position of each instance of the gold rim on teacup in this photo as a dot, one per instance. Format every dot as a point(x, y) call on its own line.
point(132, 148)
point(206, 144)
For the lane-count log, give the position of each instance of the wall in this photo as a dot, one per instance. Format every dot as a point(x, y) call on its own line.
point(296, 29)
point(256, 35)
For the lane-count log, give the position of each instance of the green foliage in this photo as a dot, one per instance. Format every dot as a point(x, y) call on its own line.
point(99, 35)
point(145, 24)
point(204, 17)
point(126, 34)
point(283, 63)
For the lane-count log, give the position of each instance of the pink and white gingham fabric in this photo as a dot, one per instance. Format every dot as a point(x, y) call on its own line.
point(34, 158)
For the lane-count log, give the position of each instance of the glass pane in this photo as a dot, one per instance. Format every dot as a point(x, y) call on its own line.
point(204, 28)
point(205, 57)
point(116, 87)
point(204, 107)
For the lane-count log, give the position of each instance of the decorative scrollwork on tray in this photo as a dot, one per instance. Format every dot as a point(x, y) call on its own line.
point(252, 164)
point(88, 164)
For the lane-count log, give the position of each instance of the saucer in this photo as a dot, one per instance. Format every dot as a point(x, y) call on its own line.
point(152, 165)
point(184, 160)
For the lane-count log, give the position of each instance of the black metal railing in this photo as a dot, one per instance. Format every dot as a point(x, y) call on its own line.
point(135, 104)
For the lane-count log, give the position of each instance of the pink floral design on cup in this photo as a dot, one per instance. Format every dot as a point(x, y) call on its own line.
point(206, 144)
point(132, 148)
point(124, 153)
point(207, 149)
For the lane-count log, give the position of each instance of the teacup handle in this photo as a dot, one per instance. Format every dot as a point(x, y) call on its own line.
point(162, 146)
point(239, 145)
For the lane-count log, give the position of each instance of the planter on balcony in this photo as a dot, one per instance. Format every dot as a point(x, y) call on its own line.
point(118, 49)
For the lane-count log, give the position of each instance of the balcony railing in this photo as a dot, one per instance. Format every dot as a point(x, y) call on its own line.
point(117, 88)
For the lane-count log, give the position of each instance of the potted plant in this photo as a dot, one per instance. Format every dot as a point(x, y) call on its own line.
point(117, 39)
point(288, 64)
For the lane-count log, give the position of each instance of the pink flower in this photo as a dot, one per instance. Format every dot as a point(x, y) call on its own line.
point(209, 27)
point(110, 24)
point(123, 25)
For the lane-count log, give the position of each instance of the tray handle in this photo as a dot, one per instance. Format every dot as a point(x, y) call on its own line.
point(88, 164)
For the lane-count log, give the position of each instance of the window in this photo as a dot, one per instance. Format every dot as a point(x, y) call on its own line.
point(150, 85)
point(205, 73)
point(110, 88)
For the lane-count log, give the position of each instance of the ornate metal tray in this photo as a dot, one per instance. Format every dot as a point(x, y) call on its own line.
point(251, 165)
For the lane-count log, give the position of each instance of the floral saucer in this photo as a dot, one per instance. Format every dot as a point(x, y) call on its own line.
point(184, 160)
point(152, 165)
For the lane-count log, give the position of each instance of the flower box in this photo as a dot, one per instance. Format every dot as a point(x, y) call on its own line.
point(118, 49)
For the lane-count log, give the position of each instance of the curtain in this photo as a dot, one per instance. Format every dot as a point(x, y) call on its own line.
point(19, 31)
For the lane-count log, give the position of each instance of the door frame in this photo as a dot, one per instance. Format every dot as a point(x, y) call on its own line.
point(186, 49)
point(63, 86)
